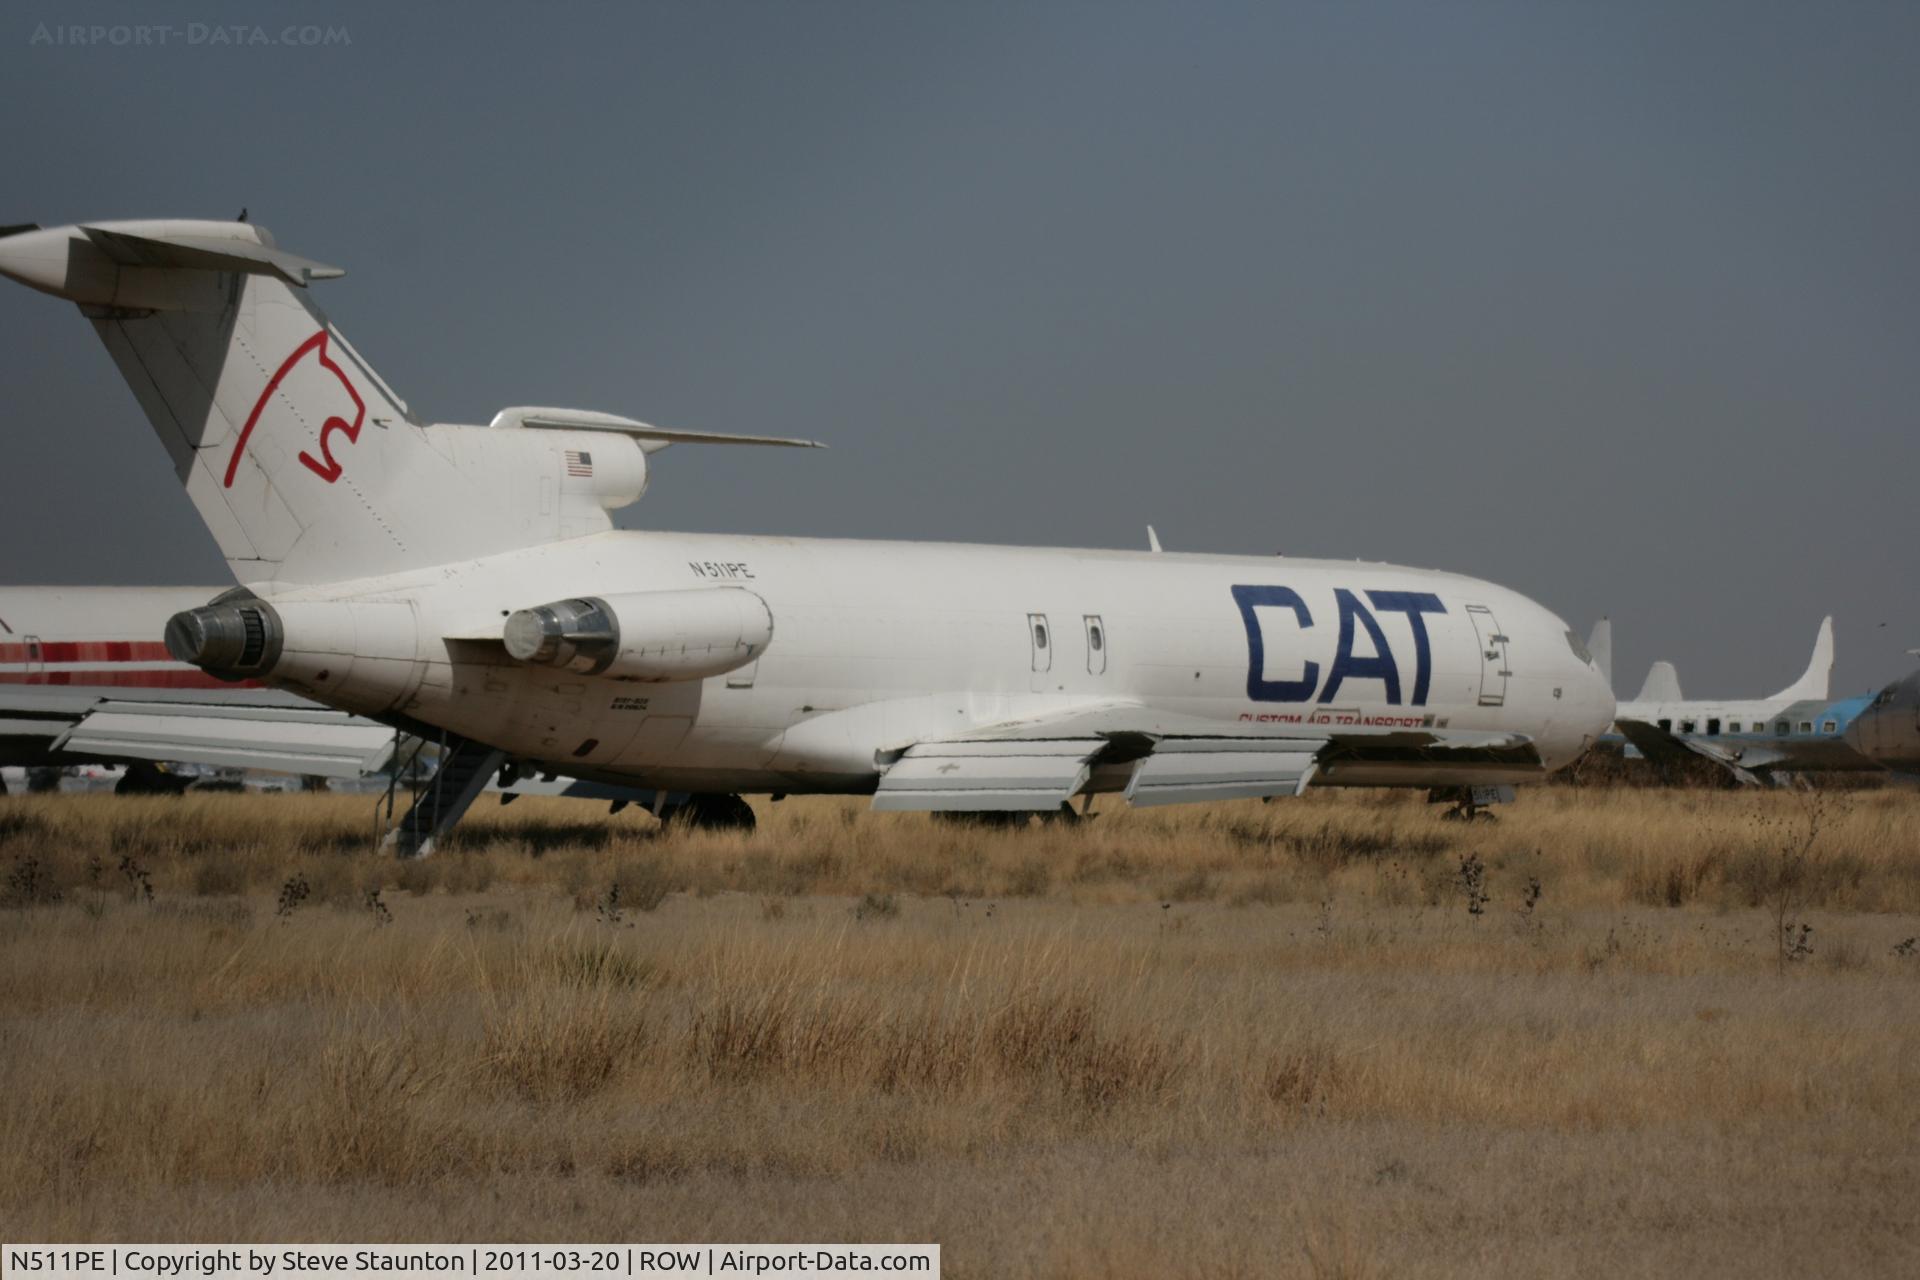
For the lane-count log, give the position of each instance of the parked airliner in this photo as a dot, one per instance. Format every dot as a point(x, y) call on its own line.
point(469, 580)
point(1801, 729)
point(1887, 730)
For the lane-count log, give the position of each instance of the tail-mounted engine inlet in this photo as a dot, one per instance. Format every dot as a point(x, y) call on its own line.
point(579, 635)
point(644, 635)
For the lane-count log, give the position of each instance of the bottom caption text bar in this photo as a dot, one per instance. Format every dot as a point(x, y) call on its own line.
point(500, 1262)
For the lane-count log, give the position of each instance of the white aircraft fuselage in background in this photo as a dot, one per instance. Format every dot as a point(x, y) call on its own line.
point(1800, 729)
point(468, 579)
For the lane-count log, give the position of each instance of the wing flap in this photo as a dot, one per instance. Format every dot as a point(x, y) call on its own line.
point(1007, 775)
point(1186, 770)
point(328, 743)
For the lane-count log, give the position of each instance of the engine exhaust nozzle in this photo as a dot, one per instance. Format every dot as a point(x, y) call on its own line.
point(231, 641)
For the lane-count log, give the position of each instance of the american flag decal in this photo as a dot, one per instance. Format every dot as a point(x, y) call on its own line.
point(579, 463)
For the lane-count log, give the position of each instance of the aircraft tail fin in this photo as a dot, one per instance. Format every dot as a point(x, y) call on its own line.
point(1662, 684)
point(303, 464)
point(1814, 683)
point(1600, 646)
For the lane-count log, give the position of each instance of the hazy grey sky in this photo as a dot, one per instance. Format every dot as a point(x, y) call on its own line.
point(1616, 304)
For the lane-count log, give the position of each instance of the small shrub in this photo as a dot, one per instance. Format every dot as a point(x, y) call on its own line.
point(1472, 879)
point(876, 906)
point(293, 892)
point(29, 884)
point(139, 883)
point(494, 918)
point(1531, 899)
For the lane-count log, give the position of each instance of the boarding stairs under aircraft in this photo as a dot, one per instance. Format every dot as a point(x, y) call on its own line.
point(462, 771)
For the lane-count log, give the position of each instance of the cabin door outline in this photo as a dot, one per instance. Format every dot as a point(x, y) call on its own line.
point(1041, 642)
point(1096, 644)
point(1494, 668)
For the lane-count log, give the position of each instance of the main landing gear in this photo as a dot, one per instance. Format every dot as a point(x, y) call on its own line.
point(709, 811)
point(1470, 804)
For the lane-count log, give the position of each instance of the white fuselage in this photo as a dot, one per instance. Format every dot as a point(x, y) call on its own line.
point(878, 645)
point(1711, 718)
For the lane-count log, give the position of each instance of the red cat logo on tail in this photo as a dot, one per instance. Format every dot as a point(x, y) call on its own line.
point(326, 466)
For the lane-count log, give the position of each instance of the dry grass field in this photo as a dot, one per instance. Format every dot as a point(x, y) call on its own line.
point(1330, 1037)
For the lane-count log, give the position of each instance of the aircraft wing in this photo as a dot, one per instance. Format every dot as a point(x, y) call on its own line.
point(305, 740)
point(1038, 763)
point(242, 728)
point(1662, 746)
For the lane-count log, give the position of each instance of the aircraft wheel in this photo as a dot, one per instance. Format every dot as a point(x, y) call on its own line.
point(145, 779)
point(712, 812)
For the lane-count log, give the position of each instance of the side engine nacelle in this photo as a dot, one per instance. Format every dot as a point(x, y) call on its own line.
point(361, 656)
point(645, 635)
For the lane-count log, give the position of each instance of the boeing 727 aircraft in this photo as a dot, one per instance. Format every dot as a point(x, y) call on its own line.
point(469, 580)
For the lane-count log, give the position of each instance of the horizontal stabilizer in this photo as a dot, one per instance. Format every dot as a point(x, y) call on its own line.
point(651, 438)
point(208, 253)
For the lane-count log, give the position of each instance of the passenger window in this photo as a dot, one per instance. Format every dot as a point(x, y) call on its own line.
point(1093, 638)
point(1733, 726)
point(1686, 726)
point(1713, 728)
point(1828, 727)
point(1806, 726)
point(1783, 728)
point(1039, 635)
point(1666, 726)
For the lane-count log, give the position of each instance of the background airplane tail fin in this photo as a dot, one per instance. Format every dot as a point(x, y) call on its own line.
point(1662, 684)
point(1600, 647)
point(301, 461)
point(1814, 683)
